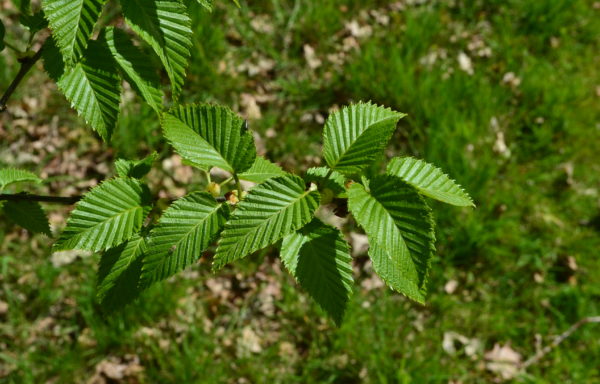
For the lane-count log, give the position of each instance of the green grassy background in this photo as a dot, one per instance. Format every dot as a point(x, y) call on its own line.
point(525, 261)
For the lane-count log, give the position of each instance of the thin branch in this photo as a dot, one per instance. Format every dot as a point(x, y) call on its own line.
point(67, 200)
point(26, 64)
point(207, 176)
point(222, 183)
point(12, 47)
point(559, 339)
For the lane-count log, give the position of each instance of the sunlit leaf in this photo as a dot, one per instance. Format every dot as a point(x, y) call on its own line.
point(429, 180)
point(210, 136)
point(166, 26)
point(106, 216)
point(271, 211)
point(400, 229)
point(356, 135)
point(183, 232)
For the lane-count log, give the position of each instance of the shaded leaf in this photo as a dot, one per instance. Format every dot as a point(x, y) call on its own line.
point(53, 60)
point(2, 33)
point(318, 257)
point(271, 211)
point(29, 215)
point(335, 182)
point(135, 168)
point(35, 22)
point(119, 273)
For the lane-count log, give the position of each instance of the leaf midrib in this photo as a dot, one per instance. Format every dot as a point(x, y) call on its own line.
point(215, 149)
point(134, 254)
point(110, 219)
point(268, 220)
point(347, 150)
point(194, 227)
point(157, 34)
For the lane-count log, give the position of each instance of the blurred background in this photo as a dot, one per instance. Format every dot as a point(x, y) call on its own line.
point(502, 95)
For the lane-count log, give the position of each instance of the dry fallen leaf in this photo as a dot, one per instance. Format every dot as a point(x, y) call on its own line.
point(511, 79)
point(357, 30)
point(503, 360)
point(465, 63)
point(3, 308)
point(311, 58)
point(251, 109)
point(63, 258)
point(114, 368)
point(453, 342)
point(500, 146)
point(451, 286)
point(248, 343)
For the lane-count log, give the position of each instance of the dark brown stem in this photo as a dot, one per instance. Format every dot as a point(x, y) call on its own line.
point(26, 64)
point(67, 200)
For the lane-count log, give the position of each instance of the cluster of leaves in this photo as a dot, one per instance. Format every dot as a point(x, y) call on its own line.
point(279, 210)
point(139, 249)
point(88, 61)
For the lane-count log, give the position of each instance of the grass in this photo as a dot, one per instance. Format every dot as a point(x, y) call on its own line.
point(512, 257)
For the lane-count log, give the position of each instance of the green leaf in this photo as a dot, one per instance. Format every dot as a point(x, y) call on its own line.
point(183, 232)
point(210, 136)
point(335, 182)
point(261, 171)
point(318, 258)
point(53, 60)
point(119, 273)
point(11, 175)
point(400, 229)
point(271, 211)
point(136, 169)
point(356, 135)
point(29, 215)
point(35, 22)
point(429, 180)
point(92, 86)
point(72, 23)
point(166, 26)
point(2, 32)
point(136, 67)
point(207, 4)
point(24, 6)
point(106, 216)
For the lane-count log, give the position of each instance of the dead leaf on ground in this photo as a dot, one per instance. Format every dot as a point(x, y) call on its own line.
point(503, 361)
